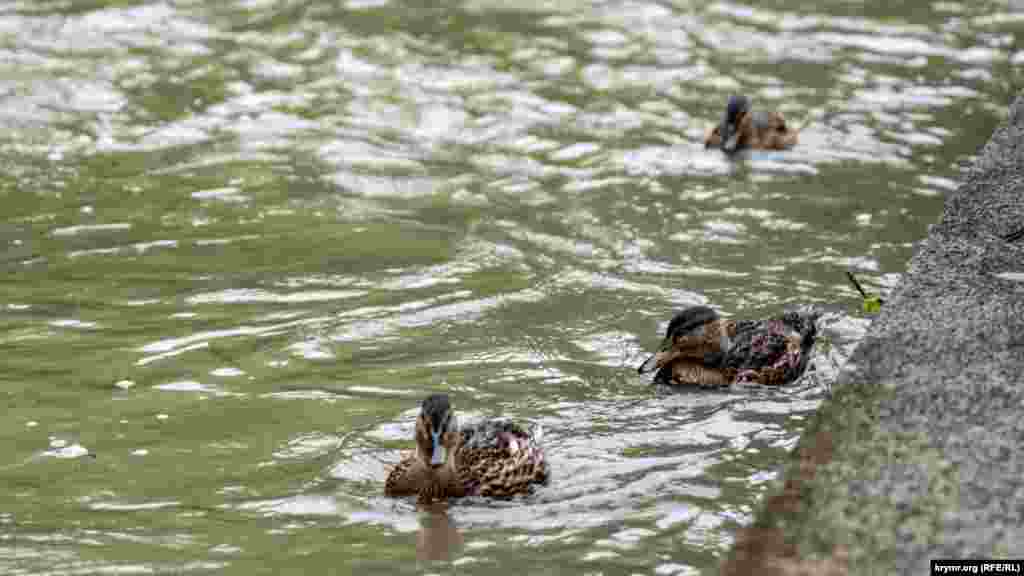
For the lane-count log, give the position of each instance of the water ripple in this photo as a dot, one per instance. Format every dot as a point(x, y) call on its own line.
point(244, 240)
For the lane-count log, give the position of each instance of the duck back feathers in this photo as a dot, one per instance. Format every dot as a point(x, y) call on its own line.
point(499, 458)
point(774, 351)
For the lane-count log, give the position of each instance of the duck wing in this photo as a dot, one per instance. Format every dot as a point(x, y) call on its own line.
point(772, 351)
point(499, 458)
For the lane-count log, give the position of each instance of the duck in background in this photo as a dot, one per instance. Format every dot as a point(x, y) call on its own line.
point(743, 128)
point(495, 458)
point(702, 349)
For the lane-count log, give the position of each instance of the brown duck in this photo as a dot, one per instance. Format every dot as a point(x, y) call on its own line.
point(742, 128)
point(702, 349)
point(495, 458)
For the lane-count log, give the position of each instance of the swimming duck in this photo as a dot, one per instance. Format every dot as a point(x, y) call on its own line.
point(496, 458)
point(742, 128)
point(700, 348)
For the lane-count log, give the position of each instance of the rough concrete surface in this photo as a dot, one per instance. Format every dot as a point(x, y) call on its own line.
point(917, 454)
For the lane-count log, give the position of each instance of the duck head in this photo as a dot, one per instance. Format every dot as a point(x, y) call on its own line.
point(435, 431)
point(686, 323)
point(729, 129)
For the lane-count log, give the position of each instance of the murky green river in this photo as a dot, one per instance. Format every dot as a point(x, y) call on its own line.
point(243, 239)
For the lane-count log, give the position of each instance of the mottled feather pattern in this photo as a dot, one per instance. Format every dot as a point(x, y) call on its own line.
point(700, 356)
point(411, 476)
point(772, 352)
point(686, 372)
point(491, 434)
point(398, 478)
point(705, 343)
point(499, 458)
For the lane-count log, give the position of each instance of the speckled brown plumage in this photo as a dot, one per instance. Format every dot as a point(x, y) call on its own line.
point(412, 476)
point(774, 351)
point(499, 459)
point(705, 343)
point(742, 127)
point(494, 458)
point(685, 372)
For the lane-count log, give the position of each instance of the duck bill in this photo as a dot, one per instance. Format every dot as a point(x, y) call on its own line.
point(658, 359)
point(730, 138)
point(439, 454)
point(650, 364)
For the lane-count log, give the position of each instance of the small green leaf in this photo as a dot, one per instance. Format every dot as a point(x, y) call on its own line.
point(872, 304)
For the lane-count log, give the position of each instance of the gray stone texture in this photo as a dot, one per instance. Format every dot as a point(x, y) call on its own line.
point(928, 419)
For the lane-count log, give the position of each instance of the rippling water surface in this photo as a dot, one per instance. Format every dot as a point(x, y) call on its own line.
point(243, 239)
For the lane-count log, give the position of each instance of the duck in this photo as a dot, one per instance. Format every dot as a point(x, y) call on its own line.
point(742, 128)
point(702, 349)
point(493, 458)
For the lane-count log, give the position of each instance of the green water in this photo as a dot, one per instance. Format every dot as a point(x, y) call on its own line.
point(243, 239)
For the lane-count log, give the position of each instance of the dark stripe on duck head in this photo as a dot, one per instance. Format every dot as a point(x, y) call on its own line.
point(737, 107)
point(687, 320)
point(437, 412)
point(436, 409)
